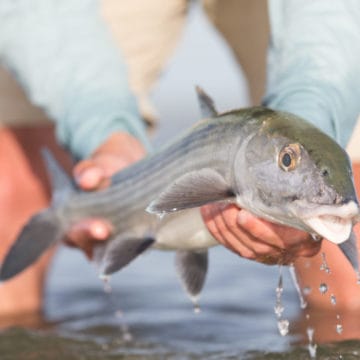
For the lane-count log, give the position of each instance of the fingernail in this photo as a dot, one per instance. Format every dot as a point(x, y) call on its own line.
point(243, 217)
point(99, 231)
point(90, 178)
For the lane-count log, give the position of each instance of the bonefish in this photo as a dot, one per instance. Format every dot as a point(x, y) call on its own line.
point(272, 163)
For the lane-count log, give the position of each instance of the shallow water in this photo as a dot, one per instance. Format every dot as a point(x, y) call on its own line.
point(157, 321)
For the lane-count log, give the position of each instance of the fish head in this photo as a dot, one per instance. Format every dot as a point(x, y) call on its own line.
point(298, 176)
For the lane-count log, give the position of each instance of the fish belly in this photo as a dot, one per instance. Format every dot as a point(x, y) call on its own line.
point(184, 230)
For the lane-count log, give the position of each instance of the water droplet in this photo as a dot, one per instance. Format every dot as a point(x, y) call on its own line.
point(307, 316)
point(316, 237)
point(279, 309)
point(196, 306)
point(311, 346)
point(307, 290)
point(323, 288)
point(106, 281)
point(339, 328)
point(312, 350)
point(197, 309)
point(338, 316)
point(303, 303)
point(310, 333)
point(324, 266)
point(127, 336)
point(283, 326)
point(333, 299)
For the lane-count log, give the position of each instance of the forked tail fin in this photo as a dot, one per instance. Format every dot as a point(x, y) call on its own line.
point(42, 231)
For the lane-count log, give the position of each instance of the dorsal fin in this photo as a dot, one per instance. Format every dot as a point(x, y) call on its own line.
point(61, 183)
point(207, 106)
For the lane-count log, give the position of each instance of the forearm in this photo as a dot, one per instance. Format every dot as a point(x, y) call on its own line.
point(64, 56)
point(313, 62)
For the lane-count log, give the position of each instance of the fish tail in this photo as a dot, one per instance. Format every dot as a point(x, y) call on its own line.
point(42, 231)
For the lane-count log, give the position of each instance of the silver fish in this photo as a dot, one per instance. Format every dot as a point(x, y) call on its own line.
point(274, 164)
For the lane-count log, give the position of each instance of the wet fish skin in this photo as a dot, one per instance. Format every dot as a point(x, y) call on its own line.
point(231, 157)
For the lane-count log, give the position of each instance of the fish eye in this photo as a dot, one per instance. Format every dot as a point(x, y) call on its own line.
point(289, 157)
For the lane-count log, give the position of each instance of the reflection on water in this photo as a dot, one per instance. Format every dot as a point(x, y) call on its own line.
point(148, 316)
point(23, 344)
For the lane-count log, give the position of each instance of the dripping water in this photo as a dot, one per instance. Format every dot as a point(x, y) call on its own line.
point(333, 299)
point(283, 324)
point(196, 306)
point(323, 288)
point(125, 332)
point(303, 303)
point(106, 283)
point(324, 266)
point(312, 347)
point(339, 328)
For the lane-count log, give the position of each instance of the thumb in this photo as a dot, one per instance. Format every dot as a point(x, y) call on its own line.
point(89, 175)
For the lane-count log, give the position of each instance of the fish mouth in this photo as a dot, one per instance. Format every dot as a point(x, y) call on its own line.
point(334, 228)
point(333, 222)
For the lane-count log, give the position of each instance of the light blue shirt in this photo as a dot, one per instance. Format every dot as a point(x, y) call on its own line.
point(65, 58)
point(314, 62)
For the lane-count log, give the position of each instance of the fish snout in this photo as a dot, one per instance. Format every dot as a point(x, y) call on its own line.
point(343, 200)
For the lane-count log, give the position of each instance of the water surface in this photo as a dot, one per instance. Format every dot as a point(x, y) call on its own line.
point(148, 315)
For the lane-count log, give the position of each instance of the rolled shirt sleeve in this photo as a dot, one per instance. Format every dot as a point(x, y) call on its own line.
point(64, 57)
point(313, 62)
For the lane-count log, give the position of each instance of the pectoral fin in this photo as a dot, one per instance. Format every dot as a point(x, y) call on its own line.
point(350, 250)
point(42, 231)
point(121, 251)
point(191, 190)
point(192, 268)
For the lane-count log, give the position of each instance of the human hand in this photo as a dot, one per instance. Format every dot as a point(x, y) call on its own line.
point(117, 152)
point(256, 239)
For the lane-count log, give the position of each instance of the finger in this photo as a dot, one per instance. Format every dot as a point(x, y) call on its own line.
point(225, 230)
point(257, 245)
point(89, 175)
point(222, 223)
point(295, 243)
point(89, 228)
point(212, 218)
point(87, 233)
point(277, 235)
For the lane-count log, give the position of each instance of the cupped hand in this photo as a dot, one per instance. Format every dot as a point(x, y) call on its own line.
point(117, 152)
point(257, 239)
